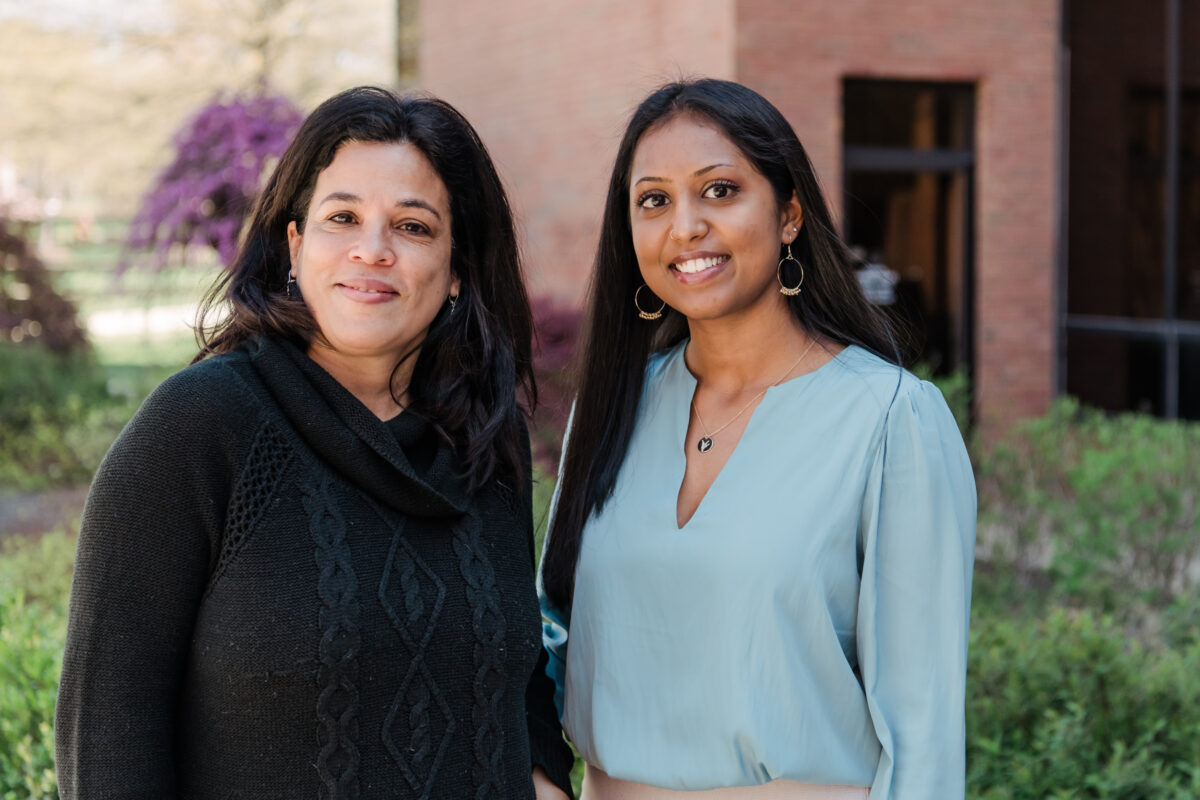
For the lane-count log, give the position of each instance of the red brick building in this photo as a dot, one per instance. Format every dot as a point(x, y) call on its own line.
point(1007, 162)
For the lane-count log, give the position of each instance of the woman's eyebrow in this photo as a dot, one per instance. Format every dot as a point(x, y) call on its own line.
point(340, 197)
point(418, 203)
point(650, 179)
point(695, 174)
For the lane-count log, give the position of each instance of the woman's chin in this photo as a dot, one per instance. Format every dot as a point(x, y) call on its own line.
point(363, 345)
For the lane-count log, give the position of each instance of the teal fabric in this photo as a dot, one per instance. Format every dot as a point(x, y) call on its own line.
point(809, 622)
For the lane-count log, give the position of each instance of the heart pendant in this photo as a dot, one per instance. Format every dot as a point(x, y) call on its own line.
point(704, 445)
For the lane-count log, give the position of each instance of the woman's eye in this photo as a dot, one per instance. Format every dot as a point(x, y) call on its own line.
point(652, 200)
point(342, 218)
point(414, 227)
point(720, 191)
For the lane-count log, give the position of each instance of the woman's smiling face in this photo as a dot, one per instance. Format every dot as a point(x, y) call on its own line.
point(706, 224)
point(373, 260)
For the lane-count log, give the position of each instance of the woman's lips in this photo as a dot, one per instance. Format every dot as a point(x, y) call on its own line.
point(695, 269)
point(367, 290)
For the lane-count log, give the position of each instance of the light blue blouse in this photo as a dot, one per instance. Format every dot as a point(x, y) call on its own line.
point(809, 622)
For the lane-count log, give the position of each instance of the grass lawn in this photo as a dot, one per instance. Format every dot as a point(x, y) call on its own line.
point(136, 346)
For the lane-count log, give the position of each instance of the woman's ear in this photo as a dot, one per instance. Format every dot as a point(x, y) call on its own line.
point(792, 219)
point(295, 240)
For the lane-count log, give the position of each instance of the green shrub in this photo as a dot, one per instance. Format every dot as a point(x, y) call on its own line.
point(57, 416)
point(1181, 619)
point(30, 661)
point(40, 567)
point(35, 576)
point(1097, 511)
point(1069, 707)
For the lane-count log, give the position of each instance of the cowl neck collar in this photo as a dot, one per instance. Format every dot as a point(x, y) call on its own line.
point(356, 444)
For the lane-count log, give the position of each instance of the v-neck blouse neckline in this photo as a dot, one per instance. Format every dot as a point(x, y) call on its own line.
point(677, 373)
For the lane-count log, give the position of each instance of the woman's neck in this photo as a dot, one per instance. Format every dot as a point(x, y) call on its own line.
point(737, 354)
point(371, 379)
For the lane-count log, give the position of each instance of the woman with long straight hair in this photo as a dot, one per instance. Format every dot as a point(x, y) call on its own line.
point(305, 569)
point(758, 574)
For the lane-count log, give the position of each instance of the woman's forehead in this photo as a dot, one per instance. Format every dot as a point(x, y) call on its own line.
point(684, 142)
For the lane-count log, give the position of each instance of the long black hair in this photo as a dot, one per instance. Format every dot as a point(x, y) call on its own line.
point(617, 344)
point(472, 364)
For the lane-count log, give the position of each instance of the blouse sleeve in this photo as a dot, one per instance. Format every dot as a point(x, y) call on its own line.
point(148, 536)
point(555, 621)
point(918, 546)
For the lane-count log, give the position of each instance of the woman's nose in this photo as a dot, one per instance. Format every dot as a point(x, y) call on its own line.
point(374, 245)
point(689, 223)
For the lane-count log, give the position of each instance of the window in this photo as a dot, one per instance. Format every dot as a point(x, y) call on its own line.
point(1132, 306)
point(909, 175)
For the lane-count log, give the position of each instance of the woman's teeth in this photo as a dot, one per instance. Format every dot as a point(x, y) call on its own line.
point(694, 265)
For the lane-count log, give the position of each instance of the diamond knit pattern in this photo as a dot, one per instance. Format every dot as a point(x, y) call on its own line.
point(419, 724)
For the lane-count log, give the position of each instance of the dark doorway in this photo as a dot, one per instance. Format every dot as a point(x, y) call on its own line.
point(908, 157)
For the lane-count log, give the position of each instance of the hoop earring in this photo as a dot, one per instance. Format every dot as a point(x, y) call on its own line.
point(784, 289)
point(647, 314)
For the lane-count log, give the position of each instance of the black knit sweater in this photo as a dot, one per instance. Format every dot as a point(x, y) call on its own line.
point(277, 595)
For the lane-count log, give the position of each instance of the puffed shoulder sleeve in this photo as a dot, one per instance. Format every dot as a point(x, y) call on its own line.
point(150, 530)
point(918, 547)
point(555, 621)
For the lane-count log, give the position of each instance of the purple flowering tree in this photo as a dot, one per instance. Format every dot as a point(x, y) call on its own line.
point(205, 194)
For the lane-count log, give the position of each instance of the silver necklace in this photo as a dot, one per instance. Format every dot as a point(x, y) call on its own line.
point(706, 441)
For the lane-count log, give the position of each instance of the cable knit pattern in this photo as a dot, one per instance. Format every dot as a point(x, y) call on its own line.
point(374, 633)
point(268, 460)
point(419, 713)
point(487, 622)
point(337, 678)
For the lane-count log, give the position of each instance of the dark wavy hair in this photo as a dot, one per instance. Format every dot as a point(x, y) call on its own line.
point(473, 364)
point(617, 344)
